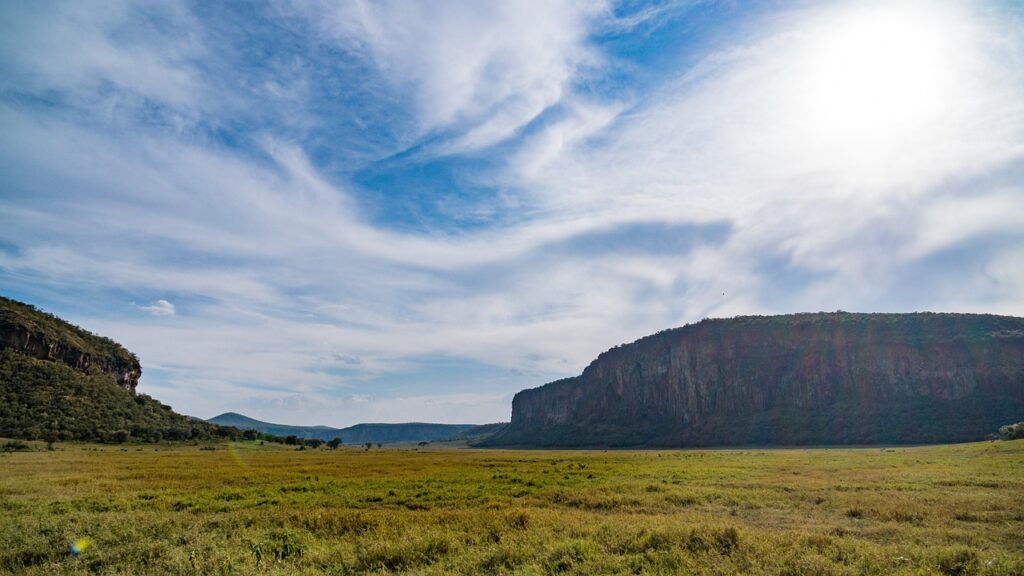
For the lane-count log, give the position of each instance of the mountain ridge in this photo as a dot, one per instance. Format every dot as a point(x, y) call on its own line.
point(384, 433)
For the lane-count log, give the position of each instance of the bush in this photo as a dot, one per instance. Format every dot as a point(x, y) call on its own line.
point(569, 556)
point(958, 563)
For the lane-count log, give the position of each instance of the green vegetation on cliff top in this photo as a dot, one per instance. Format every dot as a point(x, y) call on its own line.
point(14, 314)
point(49, 399)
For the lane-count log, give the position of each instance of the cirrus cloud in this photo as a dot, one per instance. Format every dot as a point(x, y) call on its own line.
point(218, 160)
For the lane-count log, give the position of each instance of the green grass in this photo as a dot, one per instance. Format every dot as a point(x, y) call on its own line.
point(270, 510)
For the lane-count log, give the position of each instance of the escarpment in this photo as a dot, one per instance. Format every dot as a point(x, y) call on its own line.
point(60, 382)
point(835, 378)
point(28, 331)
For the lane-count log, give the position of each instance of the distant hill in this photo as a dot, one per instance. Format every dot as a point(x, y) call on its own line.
point(243, 422)
point(477, 435)
point(358, 434)
point(61, 382)
point(826, 378)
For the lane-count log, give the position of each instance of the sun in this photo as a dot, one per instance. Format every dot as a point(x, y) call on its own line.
point(871, 75)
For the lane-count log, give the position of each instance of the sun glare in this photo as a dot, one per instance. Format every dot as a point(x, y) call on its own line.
point(876, 75)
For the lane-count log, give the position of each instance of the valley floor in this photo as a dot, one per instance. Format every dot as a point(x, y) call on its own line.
point(250, 509)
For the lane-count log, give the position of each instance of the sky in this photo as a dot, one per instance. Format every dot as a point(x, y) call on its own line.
point(317, 212)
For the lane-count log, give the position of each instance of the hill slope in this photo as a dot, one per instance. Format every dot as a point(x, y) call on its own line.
point(478, 435)
point(358, 434)
point(243, 422)
point(799, 379)
point(60, 382)
point(36, 334)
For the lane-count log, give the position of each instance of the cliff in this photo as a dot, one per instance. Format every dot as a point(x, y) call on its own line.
point(31, 332)
point(834, 378)
point(60, 382)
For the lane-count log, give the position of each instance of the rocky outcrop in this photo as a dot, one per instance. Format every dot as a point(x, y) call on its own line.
point(834, 378)
point(33, 333)
point(59, 382)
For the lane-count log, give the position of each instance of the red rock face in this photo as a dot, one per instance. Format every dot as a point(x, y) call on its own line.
point(800, 379)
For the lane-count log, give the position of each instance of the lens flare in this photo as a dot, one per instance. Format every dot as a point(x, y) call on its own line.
point(79, 545)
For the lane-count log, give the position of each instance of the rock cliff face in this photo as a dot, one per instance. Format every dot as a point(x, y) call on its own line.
point(833, 378)
point(33, 333)
point(59, 382)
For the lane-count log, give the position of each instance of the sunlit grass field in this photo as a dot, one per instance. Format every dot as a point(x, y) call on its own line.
point(250, 509)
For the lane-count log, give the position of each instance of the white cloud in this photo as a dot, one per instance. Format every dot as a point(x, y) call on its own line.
point(483, 68)
point(83, 49)
point(733, 139)
point(947, 222)
point(321, 409)
point(300, 302)
point(160, 308)
point(559, 139)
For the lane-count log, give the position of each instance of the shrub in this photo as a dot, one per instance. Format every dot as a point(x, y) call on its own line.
point(568, 556)
point(959, 563)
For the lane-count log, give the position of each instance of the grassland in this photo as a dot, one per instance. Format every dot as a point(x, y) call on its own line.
point(253, 509)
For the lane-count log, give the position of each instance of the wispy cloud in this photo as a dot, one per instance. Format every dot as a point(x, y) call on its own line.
point(186, 154)
point(478, 72)
point(160, 308)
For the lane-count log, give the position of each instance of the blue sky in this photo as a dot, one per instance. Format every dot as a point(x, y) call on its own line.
point(333, 212)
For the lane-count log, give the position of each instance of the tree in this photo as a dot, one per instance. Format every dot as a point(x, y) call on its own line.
point(1012, 431)
point(291, 440)
point(334, 443)
point(368, 445)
